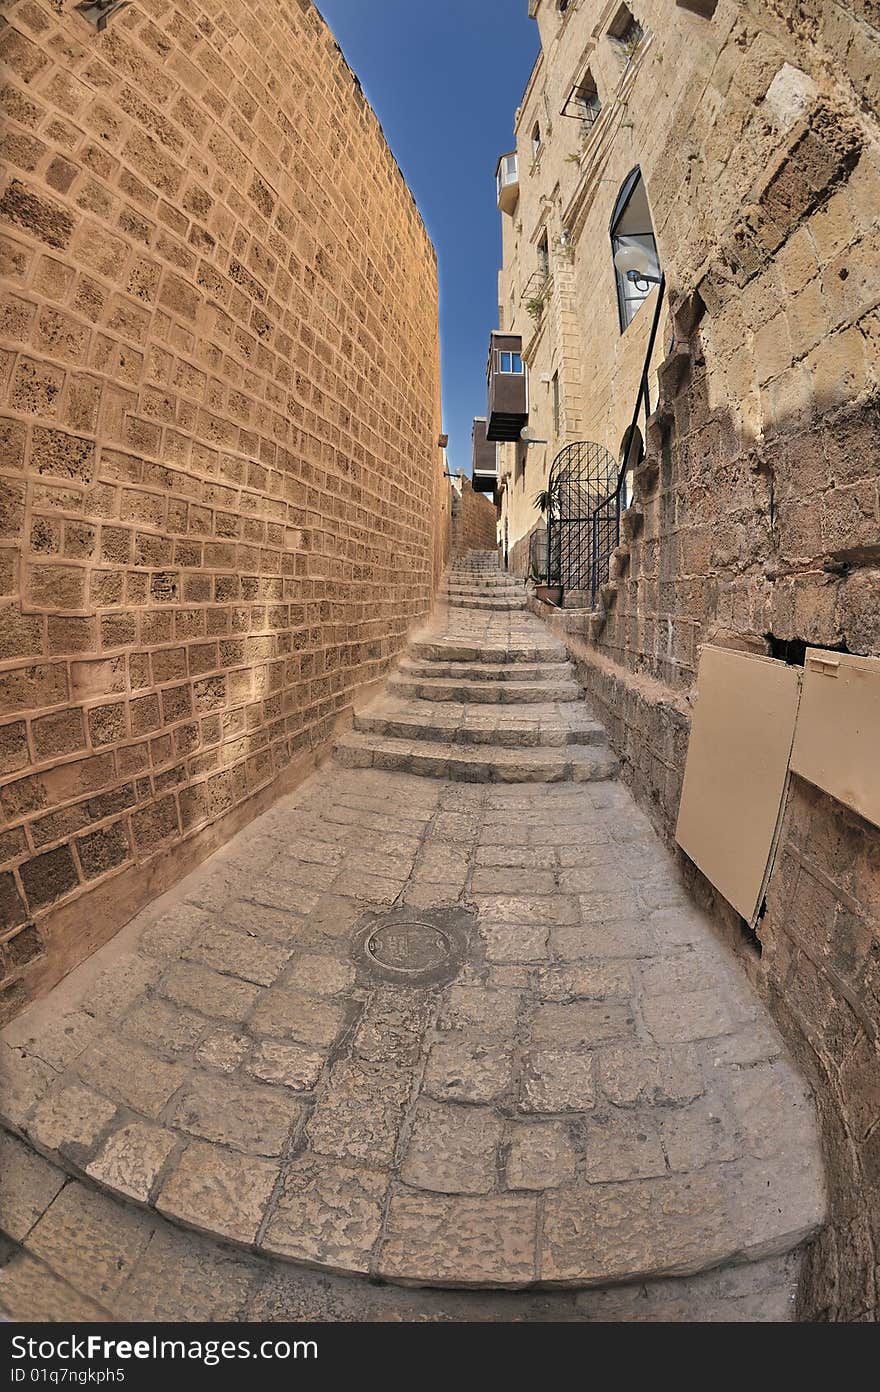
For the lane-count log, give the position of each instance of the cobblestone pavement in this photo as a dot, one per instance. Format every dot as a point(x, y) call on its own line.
point(579, 1089)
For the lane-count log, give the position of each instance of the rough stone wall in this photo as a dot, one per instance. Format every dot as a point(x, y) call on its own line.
point(474, 520)
point(222, 493)
point(756, 521)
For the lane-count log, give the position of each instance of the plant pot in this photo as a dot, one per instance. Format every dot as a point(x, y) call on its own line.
point(550, 594)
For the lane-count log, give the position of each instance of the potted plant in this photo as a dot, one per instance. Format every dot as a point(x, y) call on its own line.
point(547, 503)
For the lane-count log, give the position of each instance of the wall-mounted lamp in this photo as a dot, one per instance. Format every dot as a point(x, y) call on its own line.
point(637, 264)
point(529, 439)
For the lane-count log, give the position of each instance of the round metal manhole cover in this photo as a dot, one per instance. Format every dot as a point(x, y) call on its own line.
point(411, 947)
point(427, 950)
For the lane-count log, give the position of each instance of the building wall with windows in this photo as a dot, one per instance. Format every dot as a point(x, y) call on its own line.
point(223, 502)
point(755, 521)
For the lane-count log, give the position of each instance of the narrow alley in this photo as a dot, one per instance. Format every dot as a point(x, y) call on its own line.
point(459, 1030)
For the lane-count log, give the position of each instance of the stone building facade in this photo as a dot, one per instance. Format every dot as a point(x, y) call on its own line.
point(223, 503)
point(754, 520)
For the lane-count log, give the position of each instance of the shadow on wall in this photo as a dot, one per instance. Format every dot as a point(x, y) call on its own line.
point(767, 545)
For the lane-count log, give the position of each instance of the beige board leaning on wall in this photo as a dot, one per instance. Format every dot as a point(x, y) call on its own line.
point(741, 737)
point(837, 740)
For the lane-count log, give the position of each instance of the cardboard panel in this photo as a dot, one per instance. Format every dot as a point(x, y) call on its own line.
point(737, 765)
point(837, 742)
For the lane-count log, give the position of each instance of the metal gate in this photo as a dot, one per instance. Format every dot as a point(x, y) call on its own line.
point(583, 518)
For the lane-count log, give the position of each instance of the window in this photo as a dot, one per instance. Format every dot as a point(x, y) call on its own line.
point(544, 256)
point(626, 30)
point(510, 362)
point(562, 5)
point(587, 101)
point(536, 140)
point(631, 226)
point(556, 404)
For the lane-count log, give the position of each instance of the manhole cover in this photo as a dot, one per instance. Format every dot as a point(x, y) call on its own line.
point(409, 947)
point(427, 950)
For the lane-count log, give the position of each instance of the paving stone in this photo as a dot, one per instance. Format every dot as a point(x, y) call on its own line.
point(679, 974)
point(632, 1074)
point(166, 1028)
point(23, 1081)
point(219, 1191)
point(581, 1024)
point(320, 975)
point(30, 1292)
point(291, 1014)
point(296, 1066)
point(690, 1015)
point(392, 1027)
point(114, 992)
point(608, 1232)
point(774, 1108)
point(585, 981)
point(172, 934)
point(703, 1133)
point(622, 1145)
point(70, 1119)
point(540, 1156)
point(224, 1050)
point(28, 1184)
point(491, 1012)
point(184, 1277)
point(515, 942)
point(199, 988)
point(358, 1113)
point(556, 1080)
point(110, 1238)
point(453, 1150)
point(504, 908)
point(332, 918)
point(467, 1070)
point(130, 1074)
point(64, 1039)
point(628, 938)
point(237, 954)
point(331, 1214)
point(270, 925)
point(257, 1120)
point(460, 1241)
point(131, 1160)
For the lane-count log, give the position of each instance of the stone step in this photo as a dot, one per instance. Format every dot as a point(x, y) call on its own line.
point(507, 692)
point(483, 592)
point(92, 1231)
point(487, 671)
point(452, 651)
point(514, 727)
point(495, 605)
point(478, 763)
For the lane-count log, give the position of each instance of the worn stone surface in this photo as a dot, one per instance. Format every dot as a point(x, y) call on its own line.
point(266, 1087)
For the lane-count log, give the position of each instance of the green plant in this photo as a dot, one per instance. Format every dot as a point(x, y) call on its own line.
point(535, 304)
point(546, 501)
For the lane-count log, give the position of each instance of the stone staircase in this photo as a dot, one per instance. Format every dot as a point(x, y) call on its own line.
point(482, 696)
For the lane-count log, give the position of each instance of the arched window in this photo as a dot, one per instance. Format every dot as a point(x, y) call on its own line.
point(634, 247)
point(536, 139)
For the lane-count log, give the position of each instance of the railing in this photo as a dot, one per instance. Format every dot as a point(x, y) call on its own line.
point(605, 532)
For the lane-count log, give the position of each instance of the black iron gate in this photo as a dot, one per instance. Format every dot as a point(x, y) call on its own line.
point(583, 517)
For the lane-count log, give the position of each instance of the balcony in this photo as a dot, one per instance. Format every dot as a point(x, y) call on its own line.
point(484, 465)
point(508, 388)
point(507, 182)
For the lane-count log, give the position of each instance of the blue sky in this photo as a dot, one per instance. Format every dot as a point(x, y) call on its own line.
point(445, 77)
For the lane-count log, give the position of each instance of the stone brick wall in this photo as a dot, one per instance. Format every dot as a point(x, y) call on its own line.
point(474, 520)
point(221, 494)
point(756, 520)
